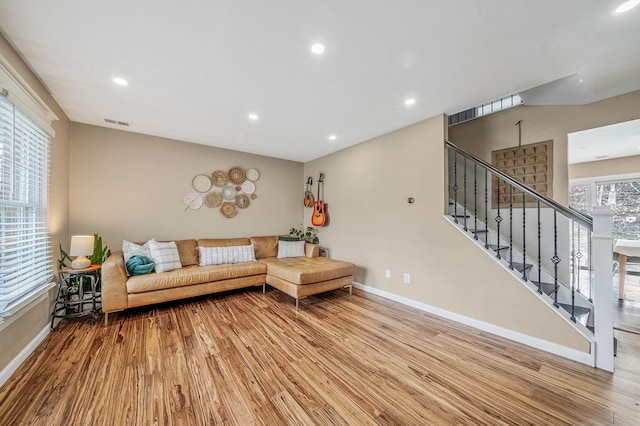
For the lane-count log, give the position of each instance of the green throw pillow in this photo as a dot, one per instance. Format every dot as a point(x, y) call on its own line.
point(139, 265)
point(288, 239)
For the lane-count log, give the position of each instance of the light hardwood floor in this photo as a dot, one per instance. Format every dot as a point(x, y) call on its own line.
point(248, 358)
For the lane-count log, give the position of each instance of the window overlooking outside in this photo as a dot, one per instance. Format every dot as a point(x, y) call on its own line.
point(25, 258)
point(624, 198)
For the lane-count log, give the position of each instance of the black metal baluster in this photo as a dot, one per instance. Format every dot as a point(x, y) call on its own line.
point(524, 238)
point(455, 186)
point(498, 218)
point(475, 203)
point(486, 208)
point(555, 259)
point(464, 193)
point(510, 226)
point(539, 254)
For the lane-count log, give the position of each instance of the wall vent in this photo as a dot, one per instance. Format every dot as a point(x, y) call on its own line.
point(116, 122)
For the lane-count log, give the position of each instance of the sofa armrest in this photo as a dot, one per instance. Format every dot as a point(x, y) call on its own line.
point(311, 250)
point(114, 283)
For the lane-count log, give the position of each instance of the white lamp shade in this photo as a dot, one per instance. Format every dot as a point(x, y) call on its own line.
point(81, 245)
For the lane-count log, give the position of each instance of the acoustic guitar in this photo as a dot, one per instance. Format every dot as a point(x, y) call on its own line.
point(320, 216)
point(308, 195)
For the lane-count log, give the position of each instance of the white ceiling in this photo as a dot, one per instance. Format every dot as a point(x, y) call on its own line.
point(196, 69)
point(605, 143)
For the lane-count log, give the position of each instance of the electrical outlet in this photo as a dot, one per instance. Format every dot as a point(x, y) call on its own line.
point(407, 278)
point(387, 273)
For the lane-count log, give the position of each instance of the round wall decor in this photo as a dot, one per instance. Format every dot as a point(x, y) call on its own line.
point(252, 175)
point(219, 178)
point(192, 200)
point(242, 201)
point(213, 199)
point(201, 183)
point(237, 175)
point(228, 209)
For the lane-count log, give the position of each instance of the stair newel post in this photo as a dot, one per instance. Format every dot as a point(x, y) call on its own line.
point(555, 259)
point(573, 272)
point(579, 258)
point(464, 192)
point(455, 186)
point(539, 252)
point(475, 199)
point(524, 238)
point(590, 271)
point(510, 226)
point(603, 282)
point(498, 217)
point(486, 207)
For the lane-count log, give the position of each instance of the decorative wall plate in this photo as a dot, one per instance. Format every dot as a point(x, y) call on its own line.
point(219, 178)
point(201, 183)
point(242, 201)
point(192, 200)
point(228, 209)
point(254, 196)
point(229, 192)
point(252, 175)
point(213, 199)
point(248, 187)
point(237, 175)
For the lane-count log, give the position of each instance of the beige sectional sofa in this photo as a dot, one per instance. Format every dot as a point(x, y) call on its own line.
point(298, 277)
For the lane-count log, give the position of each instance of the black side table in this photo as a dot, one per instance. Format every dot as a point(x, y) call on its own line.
point(79, 294)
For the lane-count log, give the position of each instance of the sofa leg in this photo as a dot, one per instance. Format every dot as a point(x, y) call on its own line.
point(350, 290)
point(106, 319)
point(264, 287)
point(297, 300)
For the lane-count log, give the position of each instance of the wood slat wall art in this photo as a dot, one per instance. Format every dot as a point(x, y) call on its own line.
point(531, 165)
point(242, 358)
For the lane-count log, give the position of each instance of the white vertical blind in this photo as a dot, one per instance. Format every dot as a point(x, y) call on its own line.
point(25, 253)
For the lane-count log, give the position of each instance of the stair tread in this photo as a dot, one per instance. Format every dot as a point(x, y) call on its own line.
point(518, 266)
point(581, 313)
point(478, 231)
point(547, 288)
point(494, 247)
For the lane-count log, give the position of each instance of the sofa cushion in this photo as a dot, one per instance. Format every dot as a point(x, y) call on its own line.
point(290, 248)
point(188, 252)
point(164, 255)
point(193, 275)
point(308, 270)
point(265, 246)
point(226, 255)
point(223, 242)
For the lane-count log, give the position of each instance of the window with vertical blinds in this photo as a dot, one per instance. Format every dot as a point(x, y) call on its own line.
point(25, 253)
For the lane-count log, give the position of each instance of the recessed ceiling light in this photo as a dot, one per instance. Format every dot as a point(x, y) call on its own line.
point(627, 6)
point(253, 117)
point(332, 137)
point(317, 48)
point(120, 81)
point(410, 101)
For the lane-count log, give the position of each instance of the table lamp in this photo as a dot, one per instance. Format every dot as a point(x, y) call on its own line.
point(81, 245)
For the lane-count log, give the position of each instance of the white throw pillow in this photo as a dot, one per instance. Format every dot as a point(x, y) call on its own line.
point(130, 249)
point(165, 255)
point(226, 255)
point(290, 249)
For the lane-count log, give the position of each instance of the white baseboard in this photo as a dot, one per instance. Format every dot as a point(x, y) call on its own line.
point(6, 373)
point(554, 348)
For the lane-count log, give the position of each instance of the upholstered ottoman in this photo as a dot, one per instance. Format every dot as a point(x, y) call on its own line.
point(300, 277)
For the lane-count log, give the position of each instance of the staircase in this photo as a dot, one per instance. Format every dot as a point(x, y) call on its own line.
point(547, 246)
point(578, 310)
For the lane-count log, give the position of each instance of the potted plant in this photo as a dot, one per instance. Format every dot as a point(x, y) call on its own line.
point(309, 235)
